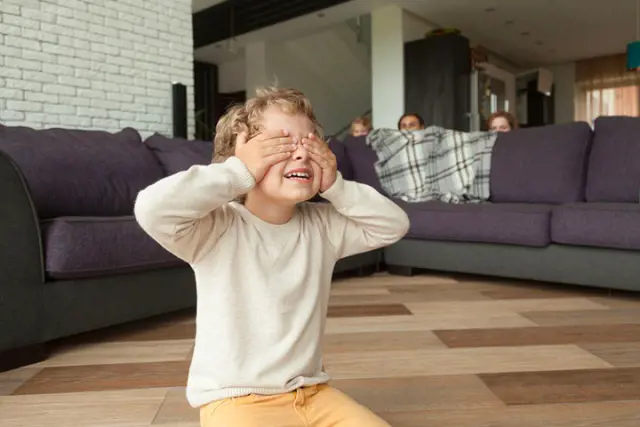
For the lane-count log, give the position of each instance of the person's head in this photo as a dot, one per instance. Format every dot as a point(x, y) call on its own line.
point(411, 121)
point(360, 126)
point(502, 121)
point(274, 109)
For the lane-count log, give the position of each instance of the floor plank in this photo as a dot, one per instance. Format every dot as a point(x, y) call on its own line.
point(425, 323)
point(121, 408)
point(389, 364)
point(575, 386)
point(70, 379)
point(619, 354)
point(368, 310)
point(379, 341)
point(548, 335)
point(584, 317)
point(420, 393)
point(120, 352)
point(607, 414)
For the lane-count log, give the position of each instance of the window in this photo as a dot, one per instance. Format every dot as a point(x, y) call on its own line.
point(615, 101)
point(605, 88)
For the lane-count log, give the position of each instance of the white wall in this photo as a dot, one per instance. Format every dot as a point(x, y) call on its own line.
point(231, 76)
point(387, 65)
point(99, 64)
point(329, 66)
point(414, 27)
point(333, 70)
point(564, 76)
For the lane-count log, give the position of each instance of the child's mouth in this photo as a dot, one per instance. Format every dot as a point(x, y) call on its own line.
point(298, 175)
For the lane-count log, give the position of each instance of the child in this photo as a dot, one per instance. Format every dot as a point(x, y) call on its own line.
point(361, 126)
point(263, 262)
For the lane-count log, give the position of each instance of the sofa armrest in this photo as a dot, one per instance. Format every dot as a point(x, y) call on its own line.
point(22, 272)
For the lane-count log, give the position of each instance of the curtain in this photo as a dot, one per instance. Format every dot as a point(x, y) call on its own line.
point(604, 87)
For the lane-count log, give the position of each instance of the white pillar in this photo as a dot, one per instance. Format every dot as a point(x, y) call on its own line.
point(387, 66)
point(256, 67)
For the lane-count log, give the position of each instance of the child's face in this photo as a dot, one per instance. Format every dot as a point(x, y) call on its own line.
point(500, 124)
point(358, 129)
point(277, 184)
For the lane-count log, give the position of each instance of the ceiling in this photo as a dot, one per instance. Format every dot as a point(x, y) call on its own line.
point(537, 32)
point(293, 28)
point(198, 5)
point(527, 32)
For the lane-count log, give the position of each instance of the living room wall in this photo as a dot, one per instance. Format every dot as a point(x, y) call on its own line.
point(99, 64)
point(564, 76)
point(330, 66)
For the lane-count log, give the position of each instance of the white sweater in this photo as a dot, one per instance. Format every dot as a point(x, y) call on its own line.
point(262, 289)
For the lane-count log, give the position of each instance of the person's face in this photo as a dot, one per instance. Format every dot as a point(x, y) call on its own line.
point(278, 183)
point(500, 124)
point(410, 123)
point(358, 129)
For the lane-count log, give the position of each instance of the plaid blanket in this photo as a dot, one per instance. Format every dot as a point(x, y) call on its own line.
point(434, 164)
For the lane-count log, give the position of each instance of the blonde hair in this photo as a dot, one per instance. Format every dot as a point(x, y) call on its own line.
point(246, 117)
point(362, 120)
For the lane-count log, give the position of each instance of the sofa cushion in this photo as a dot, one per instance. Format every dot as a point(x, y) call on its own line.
point(342, 158)
point(517, 224)
point(614, 163)
point(78, 172)
point(541, 164)
point(605, 225)
point(177, 154)
point(82, 247)
point(363, 160)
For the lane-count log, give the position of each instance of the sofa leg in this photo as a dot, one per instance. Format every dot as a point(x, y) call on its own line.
point(18, 357)
point(399, 270)
point(366, 271)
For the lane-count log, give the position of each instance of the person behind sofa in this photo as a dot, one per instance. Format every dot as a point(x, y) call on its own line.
point(263, 261)
point(411, 121)
point(361, 126)
point(502, 121)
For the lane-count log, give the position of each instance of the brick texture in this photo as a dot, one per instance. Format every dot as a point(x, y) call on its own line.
point(94, 64)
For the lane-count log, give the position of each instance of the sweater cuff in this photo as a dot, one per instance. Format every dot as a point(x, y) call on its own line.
point(244, 180)
point(335, 194)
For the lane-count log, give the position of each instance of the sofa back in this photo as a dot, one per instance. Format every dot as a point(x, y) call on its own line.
point(363, 160)
point(81, 173)
point(614, 163)
point(177, 154)
point(342, 158)
point(541, 164)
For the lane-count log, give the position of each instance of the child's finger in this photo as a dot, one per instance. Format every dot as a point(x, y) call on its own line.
point(274, 158)
point(314, 146)
point(268, 150)
point(275, 142)
point(314, 137)
point(271, 134)
point(322, 161)
point(241, 138)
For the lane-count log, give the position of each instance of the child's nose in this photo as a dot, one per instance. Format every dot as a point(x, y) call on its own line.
point(300, 153)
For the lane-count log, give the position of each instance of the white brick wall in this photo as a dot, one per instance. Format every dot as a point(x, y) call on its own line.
point(94, 64)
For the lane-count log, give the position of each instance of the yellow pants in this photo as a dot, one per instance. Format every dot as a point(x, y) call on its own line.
point(315, 406)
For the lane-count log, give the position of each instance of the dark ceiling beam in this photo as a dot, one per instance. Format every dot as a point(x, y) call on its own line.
point(237, 17)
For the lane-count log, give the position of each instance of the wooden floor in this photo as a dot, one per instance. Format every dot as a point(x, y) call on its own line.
point(420, 351)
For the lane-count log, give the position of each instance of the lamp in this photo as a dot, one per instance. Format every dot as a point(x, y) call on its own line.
point(633, 56)
point(633, 48)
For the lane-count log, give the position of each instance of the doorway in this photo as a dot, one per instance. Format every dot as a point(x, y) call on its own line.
point(492, 89)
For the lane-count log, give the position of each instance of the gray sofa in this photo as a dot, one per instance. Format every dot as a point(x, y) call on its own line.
point(564, 208)
point(72, 257)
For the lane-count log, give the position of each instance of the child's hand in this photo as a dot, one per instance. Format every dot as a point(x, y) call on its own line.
point(320, 153)
point(263, 151)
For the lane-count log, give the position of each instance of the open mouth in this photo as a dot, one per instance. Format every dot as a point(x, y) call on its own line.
point(298, 175)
